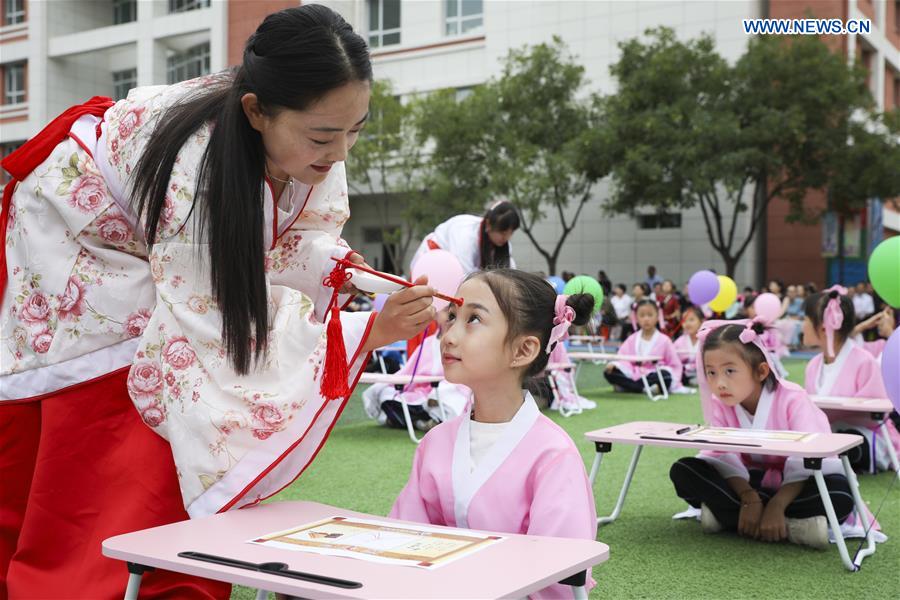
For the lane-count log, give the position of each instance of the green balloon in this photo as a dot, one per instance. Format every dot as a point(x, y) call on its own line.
point(884, 270)
point(585, 284)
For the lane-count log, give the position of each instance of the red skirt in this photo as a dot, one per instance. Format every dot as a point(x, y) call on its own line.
point(79, 466)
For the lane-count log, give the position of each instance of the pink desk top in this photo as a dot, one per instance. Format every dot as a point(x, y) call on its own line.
point(610, 356)
point(559, 366)
point(514, 567)
point(819, 445)
point(853, 404)
point(395, 379)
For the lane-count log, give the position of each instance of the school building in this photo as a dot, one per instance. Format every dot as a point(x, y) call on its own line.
point(55, 54)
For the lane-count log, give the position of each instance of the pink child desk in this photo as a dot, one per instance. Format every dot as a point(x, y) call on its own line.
point(607, 357)
point(878, 410)
point(401, 381)
point(515, 567)
point(813, 450)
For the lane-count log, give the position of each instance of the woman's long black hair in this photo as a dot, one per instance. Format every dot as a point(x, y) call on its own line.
point(501, 217)
point(294, 58)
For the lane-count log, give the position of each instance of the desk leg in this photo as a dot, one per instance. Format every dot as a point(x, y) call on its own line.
point(135, 573)
point(580, 592)
point(407, 418)
point(647, 389)
point(262, 595)
point(886, 439)
point(861, 513)
point(662, 383)
point(617, 510)
point(832, 518)
point(574, 379)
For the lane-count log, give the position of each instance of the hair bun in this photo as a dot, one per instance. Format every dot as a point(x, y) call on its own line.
point(833, 294)
point(583, 304)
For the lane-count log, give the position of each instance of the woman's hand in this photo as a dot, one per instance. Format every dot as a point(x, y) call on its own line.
point(772, 527)
point(357, 259)
point(869, 323)
point(405, 314)
point(609, 368)
point(750, 515)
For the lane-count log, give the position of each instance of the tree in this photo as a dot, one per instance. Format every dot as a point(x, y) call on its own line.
point(386, 165)
point(866, 165)
point(686, 129)
point(522, 137)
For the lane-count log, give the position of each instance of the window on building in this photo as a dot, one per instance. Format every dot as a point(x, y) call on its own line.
point(14, 13)
point(176, 6)
point(659, 221)
point(5, 150)
point(463, 16)
point(191, 63)
point(897, 15)
point(14, 83)
point(464, 92)
point(122, 82)
point(384, 23)
point(124, 11)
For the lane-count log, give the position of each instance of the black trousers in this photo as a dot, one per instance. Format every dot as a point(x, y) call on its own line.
point(395, 417)
point(698, 482)
point(617, 377)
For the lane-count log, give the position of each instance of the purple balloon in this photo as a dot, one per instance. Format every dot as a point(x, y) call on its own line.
point(890, 368)
point(703, 286)
point(380, 299)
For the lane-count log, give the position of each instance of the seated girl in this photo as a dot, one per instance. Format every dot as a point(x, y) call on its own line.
point(503, 467)
point(686, 344)
point(846, 369)
point(646, 341)
point(885, 322)
point(763, 497)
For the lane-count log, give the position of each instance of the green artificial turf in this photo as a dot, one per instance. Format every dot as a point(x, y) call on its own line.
point(363, 466)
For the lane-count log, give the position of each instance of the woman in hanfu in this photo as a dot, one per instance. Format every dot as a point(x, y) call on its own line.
point(166, 276)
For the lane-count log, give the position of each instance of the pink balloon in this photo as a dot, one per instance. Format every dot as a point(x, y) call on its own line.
point(768, 307)
point(444, 273)
point(380, 299)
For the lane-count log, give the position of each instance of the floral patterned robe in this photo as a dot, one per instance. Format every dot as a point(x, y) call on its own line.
point(85, 297)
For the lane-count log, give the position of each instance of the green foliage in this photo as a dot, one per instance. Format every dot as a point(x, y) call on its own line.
point(386, 165)
point(687, 129)
point(522, 136)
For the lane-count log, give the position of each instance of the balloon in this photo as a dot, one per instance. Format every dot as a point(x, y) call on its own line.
point(890, 361)
point(444, 273)
point(703, 286)
point(378, 304)
point(884, 270)
point(726, 296)
point(768, 307)
point(557, 282)
point(585, 284)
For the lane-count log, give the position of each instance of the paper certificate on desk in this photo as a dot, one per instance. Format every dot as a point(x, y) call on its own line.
point(379, 541)
point(724, 434)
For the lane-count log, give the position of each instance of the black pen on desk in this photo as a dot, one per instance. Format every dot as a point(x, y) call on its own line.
point(685, 429)
point(697, 441)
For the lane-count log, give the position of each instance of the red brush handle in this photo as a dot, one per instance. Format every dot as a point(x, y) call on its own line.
point(397, 280)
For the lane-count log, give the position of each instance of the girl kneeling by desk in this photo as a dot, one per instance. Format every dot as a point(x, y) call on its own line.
point(647, 340)
point(503, 467)
point(765, 497)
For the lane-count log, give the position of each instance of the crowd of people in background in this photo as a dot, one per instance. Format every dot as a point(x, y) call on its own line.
point(674, 303)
